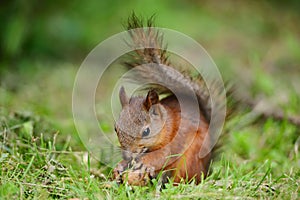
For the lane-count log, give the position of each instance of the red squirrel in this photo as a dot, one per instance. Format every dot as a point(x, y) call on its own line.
point(154, 133)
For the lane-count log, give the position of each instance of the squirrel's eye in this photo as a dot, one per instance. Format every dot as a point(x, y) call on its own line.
point(146, 132)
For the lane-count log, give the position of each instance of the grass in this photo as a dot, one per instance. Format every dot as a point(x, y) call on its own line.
point(42, 157)
point(251, 165)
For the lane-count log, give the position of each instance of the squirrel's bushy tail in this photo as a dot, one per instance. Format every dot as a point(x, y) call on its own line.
point(147, 42)
point(151, 62)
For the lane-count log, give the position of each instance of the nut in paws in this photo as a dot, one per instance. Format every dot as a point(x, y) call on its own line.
point(139, 175)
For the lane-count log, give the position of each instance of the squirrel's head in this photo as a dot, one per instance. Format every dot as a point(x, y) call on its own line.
point(140, 122)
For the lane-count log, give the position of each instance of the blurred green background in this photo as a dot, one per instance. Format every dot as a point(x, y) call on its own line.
point(256, 45)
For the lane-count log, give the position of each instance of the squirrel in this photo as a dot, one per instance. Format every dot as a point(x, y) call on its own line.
point(154, 133)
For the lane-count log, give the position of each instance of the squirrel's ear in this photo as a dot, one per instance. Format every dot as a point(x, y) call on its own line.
point(151, 99)
point(123, 97)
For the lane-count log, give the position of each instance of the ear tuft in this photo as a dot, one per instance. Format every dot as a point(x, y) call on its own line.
point(123, 97)
point(151, 99)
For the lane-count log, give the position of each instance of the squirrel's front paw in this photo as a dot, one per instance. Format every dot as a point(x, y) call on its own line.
point(118, 171)
point(139, 175)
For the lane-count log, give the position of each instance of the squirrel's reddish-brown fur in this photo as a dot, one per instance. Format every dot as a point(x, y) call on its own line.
point(187, 143)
